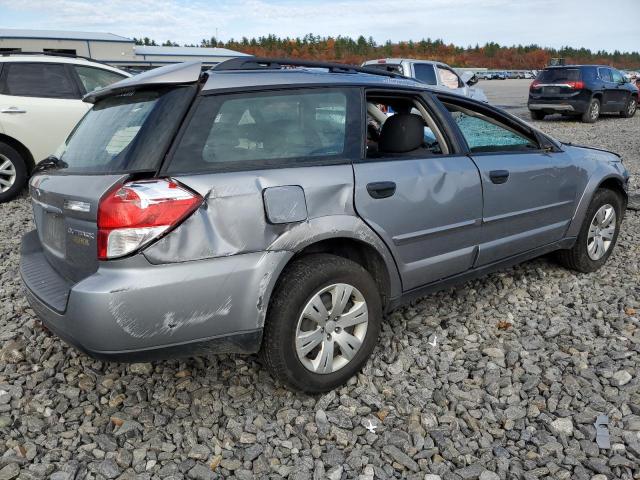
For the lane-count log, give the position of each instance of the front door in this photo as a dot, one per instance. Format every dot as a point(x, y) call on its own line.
point(416, 192)
point(529, 193)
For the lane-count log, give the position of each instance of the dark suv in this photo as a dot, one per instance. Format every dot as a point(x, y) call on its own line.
point(585, 90)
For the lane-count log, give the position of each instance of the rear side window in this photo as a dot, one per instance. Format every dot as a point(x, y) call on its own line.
point(95, 78)
point(257, 130)
point(486, 134)
point(559, 75)
point(38, 80)
point(605, 74)
point(425, 73)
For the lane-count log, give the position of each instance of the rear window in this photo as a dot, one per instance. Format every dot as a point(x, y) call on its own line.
point(425, 73)
point(126, 133)
point(250, 131)
point(387, 67)
point(558, 75)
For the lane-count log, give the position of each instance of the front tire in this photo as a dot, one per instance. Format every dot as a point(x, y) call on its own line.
point(537, 114)
point(598, 234)
point(630, 109)
point(13, 172)
point(323, 323)
point(593, 111)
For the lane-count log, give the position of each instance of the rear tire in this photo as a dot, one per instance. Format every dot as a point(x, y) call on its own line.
point(593, 111)
point(631, 108)
point(537, 114)
point(290, 324)
point(13, 173)
point(579, 257)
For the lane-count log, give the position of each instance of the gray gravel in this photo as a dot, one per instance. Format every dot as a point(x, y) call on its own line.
point(524, 360)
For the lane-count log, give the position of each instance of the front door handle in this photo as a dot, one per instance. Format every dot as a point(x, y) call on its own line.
point(381, 189)
point(13, 110)
point(499, 176)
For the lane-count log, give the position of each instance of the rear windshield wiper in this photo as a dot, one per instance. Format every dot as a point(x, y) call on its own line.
point(51, 162)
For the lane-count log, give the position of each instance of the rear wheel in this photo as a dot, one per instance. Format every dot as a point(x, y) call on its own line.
point(13, 172)
point(537, 114)
point(630, 109)
point(322, 324)
point(593, 111)
point(598, 234)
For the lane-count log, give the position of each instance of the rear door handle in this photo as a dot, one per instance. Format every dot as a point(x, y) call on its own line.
point(499, 176)
point(13, 110)
point(381, 189)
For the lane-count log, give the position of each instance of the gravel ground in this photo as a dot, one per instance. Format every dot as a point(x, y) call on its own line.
point(501, 378)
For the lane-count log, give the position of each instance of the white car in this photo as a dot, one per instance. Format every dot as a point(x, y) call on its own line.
point(438, 74)
point(40, 103)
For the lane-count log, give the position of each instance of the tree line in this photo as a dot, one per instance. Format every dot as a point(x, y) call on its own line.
point(348, 50)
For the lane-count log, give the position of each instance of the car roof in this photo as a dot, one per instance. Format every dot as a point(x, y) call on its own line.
point(58, 59)
point(242, 78)
point(382, 61)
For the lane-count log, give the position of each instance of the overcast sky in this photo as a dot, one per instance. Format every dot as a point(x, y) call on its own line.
point(595, 24)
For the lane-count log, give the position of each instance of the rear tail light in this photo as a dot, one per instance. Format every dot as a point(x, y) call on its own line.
point(136, 213)
point(534, 85)
point(576, 85)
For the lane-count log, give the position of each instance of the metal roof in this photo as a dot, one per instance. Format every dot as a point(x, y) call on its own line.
point(61, 35)
point(186, 51)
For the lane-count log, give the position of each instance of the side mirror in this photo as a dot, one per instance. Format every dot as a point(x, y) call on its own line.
point(469, 78)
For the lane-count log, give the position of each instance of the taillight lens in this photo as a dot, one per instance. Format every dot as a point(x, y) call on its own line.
point(134, 214)
point(534, 85)
point(576, 85)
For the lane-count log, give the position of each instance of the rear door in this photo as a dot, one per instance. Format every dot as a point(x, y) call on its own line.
point(39, 104)
point(620, 94)
point(529, 193)
point(425, 203)
point(609, 91)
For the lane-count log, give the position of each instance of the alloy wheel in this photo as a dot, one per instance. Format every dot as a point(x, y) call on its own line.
point(7, 173)
point(595, 110)
point(631, 108)
point(601, 231)
point(331, 328)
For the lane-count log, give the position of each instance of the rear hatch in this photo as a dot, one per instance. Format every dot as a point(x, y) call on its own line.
point(126, 135)
point(557, 83)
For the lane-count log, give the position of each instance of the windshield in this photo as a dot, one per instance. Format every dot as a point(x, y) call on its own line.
point(126, 133)
point(557, 75)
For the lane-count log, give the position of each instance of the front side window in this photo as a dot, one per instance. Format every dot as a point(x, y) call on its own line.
point(617, 76)
point(425, 73)
point(257, 130)
point(486, 134)
point(37, 80)
point(449, 78)
point(95, 78)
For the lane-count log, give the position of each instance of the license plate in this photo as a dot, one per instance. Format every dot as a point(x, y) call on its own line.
point(551, 89)
point(53, 234)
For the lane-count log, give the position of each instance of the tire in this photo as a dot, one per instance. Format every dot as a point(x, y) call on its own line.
point(592, 113)
point(537, 114)
point(13, 173)
point(578, 257)
point(631, 108)
point(300, 284)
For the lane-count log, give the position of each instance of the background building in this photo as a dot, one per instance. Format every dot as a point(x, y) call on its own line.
point(108, 48)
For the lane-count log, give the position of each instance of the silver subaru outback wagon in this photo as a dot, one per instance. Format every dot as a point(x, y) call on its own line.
point(258, 207)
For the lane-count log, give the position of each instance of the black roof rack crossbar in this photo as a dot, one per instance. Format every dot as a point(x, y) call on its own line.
point(51, 54)
point(263, 63)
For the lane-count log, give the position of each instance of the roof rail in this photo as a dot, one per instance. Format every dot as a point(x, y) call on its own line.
point(263, 63)
point(51, 54)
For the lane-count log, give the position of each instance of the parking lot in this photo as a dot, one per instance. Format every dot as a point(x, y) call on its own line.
point(500, 378)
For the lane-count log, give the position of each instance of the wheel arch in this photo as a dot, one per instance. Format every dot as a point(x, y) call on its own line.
point(21, 149)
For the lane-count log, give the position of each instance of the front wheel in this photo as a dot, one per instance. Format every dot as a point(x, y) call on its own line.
point(323, 323)
point(537, 114)
point(630, 109)
point(598, 234)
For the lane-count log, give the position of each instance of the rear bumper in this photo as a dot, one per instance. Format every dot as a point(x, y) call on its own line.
point(578, 103)
point(130, 310)
point(554, 107)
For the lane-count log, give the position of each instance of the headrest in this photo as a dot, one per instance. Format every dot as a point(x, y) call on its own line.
point(401, 133)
